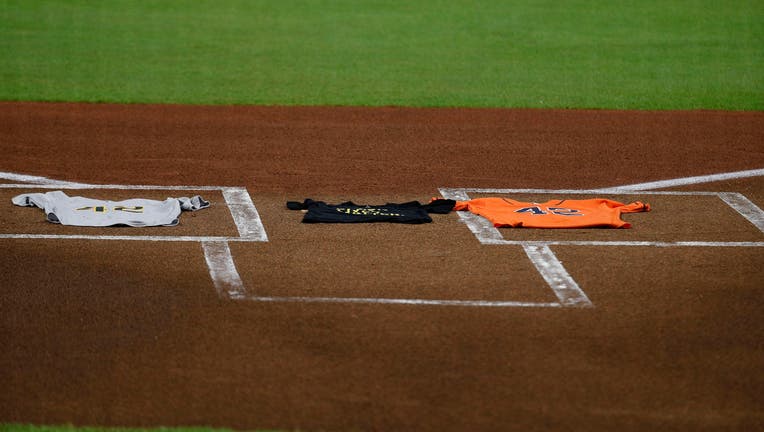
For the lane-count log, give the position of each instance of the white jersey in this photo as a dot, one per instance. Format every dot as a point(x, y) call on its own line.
point(79, 211)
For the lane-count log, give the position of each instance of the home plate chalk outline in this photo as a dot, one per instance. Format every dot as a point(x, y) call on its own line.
point(217, 254)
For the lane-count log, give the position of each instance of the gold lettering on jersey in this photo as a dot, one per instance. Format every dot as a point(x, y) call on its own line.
point(367, 212)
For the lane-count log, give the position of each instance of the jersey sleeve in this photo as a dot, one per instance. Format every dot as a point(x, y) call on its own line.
point(193, 204)
point(439, 206)
point(461, 205)
point(635, 207)
point(41, 200)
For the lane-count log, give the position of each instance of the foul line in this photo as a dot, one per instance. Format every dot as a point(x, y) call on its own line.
point(462, 193)
point(688, 181)
point(67, 185)
point(626, 243)
point(36, 180)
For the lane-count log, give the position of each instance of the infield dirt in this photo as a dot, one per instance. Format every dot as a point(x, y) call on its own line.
point(133, 333)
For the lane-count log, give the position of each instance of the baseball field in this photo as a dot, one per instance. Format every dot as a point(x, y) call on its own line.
point(242, 317)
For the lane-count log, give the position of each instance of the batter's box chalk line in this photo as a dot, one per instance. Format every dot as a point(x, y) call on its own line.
point(549, 266)
point(217, 254)
point(229, 285)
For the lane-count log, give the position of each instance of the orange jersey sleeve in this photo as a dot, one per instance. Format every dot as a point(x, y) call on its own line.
point(589, 213)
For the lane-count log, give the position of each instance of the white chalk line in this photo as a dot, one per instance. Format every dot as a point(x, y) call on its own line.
point(551, 269)
point(38, 180)
point(399, 301)
point(745, 207)
point(222, 270)
point(244, 214)
point(467, 191)
point(109, 186)
point(660, 244)
point(498, 242)
point(684, 181)
point(735, 200)
point(124, 237)
point(480, 227)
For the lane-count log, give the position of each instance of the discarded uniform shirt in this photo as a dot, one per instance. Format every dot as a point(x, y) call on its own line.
point(408, 213)
point(588, 213)
point(79, 211)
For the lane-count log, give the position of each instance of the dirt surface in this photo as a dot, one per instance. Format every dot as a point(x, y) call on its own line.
point(134, 332)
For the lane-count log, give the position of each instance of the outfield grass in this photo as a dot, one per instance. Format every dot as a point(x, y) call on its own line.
point(648, 54)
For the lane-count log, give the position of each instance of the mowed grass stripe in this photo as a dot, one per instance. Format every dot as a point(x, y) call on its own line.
point(575, 54)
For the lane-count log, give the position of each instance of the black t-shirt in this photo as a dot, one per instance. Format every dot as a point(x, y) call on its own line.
point(409, 213)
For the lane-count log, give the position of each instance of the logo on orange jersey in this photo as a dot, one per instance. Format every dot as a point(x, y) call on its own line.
point(560, 211)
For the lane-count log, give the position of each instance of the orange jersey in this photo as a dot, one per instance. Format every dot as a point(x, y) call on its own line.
point(588, 213)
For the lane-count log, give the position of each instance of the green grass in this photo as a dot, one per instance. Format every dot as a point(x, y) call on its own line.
point(649, 54)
